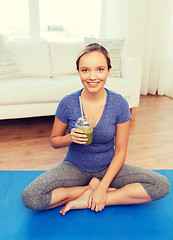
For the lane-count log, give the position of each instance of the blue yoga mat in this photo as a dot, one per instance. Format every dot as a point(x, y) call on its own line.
point(148, 221)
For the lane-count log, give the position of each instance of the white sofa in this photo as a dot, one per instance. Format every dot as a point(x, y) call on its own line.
point(48, 73)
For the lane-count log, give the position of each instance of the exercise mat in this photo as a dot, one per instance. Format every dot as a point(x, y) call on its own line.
point(149, 221)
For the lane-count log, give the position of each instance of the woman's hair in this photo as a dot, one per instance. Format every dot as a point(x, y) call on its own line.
point(91, 48)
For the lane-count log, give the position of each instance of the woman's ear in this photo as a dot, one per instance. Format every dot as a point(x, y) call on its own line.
point(109, 71)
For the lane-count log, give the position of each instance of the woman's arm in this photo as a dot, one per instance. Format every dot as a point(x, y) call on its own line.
point(98, 198)
point(61, 138)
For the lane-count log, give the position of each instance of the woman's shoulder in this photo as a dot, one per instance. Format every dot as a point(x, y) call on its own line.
point(67, 105)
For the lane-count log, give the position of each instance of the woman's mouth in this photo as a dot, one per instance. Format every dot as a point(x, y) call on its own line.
point(93, 84)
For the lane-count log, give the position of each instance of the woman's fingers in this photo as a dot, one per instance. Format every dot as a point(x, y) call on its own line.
point(97, 207)
point(78, 136)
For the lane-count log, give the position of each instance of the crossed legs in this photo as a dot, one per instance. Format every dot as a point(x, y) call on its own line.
point(65, 184)
point(129, 194)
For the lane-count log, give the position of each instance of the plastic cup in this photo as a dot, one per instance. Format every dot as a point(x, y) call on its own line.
point(86, 124)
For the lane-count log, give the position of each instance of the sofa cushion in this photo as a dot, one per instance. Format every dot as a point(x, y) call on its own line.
point(37, 90)
point(63, 57)
point(119, 85)
point(28, 90)
point(68, 84)
point(45, 90)
point(8, 67)
point(114, 47)
point(32, 58)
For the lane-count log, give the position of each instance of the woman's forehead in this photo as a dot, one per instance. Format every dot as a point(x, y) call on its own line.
point(93, 57)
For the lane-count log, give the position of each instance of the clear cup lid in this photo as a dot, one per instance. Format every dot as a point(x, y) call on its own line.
point(85, 121)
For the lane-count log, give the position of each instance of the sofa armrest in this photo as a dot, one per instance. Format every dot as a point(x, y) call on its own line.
point(131, 69)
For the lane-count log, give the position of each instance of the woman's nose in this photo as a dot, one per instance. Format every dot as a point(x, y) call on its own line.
point(92, 75)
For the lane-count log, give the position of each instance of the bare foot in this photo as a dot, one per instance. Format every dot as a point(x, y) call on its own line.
point(79, 203)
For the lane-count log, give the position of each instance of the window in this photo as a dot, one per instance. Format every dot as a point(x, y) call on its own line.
point(14, 20)
point(69, 20)
point(50, 20)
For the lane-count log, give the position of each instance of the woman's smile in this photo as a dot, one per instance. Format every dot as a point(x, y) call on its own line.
point(93, 84)
point(93, 71)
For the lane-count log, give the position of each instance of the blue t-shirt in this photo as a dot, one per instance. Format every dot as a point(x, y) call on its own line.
point(97, 155)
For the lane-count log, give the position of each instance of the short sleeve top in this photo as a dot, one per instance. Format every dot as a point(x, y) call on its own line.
point(97, 155)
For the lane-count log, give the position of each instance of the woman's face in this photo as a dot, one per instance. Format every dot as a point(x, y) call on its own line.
point(93, 71)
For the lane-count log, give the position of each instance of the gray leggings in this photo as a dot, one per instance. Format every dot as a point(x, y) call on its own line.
point(37, 195)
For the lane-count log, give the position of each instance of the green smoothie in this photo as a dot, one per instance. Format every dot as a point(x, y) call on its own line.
point(89, 132)
point(86, 124)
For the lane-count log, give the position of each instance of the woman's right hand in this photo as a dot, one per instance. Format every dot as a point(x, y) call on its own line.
point(77, 136)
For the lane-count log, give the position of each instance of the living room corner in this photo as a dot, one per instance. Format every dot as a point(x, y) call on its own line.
point(40, 41)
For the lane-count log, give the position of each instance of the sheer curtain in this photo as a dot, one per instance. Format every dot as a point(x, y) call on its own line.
point(147, 26)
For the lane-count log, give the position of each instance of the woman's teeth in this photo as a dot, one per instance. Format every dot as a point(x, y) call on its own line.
point(92, 83)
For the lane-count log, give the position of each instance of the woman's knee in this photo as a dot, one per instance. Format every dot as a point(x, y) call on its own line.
point(165, 186)
point(34, 200)
point(160, 189)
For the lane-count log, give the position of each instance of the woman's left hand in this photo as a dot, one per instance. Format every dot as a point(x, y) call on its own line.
point(97, 200)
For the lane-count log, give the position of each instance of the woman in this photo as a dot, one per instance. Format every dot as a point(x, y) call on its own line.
point(93, 176)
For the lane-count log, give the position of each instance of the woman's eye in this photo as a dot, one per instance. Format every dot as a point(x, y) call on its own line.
point(84, 70)
point(100, 69)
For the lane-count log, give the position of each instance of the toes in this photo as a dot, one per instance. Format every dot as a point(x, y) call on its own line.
point(62, 211)
point(65, 209)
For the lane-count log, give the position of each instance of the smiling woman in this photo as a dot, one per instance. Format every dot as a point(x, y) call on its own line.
point(93, 65)
point(93, 71)
point(93, 175)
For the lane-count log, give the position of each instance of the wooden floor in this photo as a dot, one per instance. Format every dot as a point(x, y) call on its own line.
point(25, 145)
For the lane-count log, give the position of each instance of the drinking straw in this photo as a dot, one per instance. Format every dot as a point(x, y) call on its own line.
point(81, 106)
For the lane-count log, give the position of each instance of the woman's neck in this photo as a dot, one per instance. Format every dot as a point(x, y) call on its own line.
point(96, 96)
